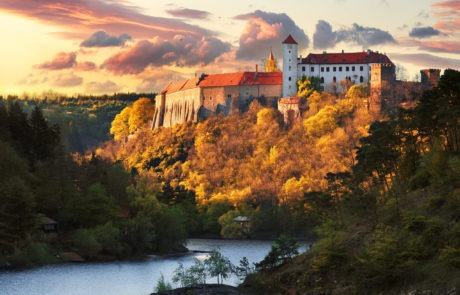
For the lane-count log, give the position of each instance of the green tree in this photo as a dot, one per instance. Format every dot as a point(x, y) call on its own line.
point(218, 266)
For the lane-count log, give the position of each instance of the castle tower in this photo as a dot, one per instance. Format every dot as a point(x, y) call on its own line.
point(430, 77)
point(289, 67)
point(270, 65)
point(381, 86)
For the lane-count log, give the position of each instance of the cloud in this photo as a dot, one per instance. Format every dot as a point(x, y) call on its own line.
point(102, 87)
point(448, 14)
point(324, 37)
point(180, 51)
point(424, 32)
point(87, 16)
point(62, 60)
point(264, 30)
point(156, 80)
point(427, 60)
point(102, 39)
point(441, 46)
point(85, 66)
point(189, 13)
point(67, 80)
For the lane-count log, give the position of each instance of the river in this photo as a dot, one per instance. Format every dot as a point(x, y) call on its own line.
point(123, 277)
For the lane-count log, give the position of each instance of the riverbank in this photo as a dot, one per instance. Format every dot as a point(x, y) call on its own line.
point(204, 289)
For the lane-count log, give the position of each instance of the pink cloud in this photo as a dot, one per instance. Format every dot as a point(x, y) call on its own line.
point(448, 14)
point(62, 60)
point(85, 66)
point(67, 80)
point(93, 15)
point(180, 51)
point(264, 30)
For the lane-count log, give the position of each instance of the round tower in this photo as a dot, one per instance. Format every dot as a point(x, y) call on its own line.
point(289, 67)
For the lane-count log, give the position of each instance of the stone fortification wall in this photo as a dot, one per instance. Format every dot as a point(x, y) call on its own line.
point(221, 99)
point(177, 107)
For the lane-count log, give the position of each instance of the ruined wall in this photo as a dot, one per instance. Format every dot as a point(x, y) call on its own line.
point(181, 106)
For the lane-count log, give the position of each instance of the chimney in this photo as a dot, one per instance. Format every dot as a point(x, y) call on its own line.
point(257, 68)
point(343, 51)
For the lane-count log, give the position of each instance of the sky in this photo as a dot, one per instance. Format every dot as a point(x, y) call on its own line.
point(110, 46)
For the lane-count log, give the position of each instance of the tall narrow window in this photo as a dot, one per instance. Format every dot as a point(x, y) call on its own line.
point(334, 79)
point(334, 69)
point(361, 68)
point(322, 79)
point(322, 69)
point(361, 79)
point(312, 69)
point(353, 68)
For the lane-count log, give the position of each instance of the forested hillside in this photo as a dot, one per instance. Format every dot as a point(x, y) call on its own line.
point(101, 211)
point(393, 225)
point(249, 164)
point(84, 121)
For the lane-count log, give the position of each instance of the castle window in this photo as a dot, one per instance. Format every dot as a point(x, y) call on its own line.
point(361, 68)
point(361, 79)
point(340, 69)
point(322, 69)
point(289, 68)
point(312, 69)
point(347, 69)
point(322, 79)
point(210, 98)
point(327, 69)
point(289, 52)
point(289, 78)
point(334, 79)
point(353, 68)
point(303, 69)
point(334, 69)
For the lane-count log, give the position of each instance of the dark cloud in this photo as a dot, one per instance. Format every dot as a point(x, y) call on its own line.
point(91, 15)
point(62, 60)
point(102, 39)
point(427, 60)
point(325, 37)
point(265, 30)
point(102, 87)
point(424, 32)
point(189, 13)
point(67, 80)
point(180, 51)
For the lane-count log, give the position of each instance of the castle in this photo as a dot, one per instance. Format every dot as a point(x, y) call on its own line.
point(201, 97)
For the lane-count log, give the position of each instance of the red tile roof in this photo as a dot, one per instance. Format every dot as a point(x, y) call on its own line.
point(262, 78)
point(289, 40)
point(180, 85)
point(347, 58)
point(228, 79)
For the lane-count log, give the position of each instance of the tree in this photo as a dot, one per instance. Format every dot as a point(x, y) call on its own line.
point(218, 266)
point(282, 251)
point(141, 113)
point(120, 125)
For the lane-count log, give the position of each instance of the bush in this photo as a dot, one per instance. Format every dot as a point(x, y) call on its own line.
point(162, 285)
point(86, 243)
point(32, 255)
